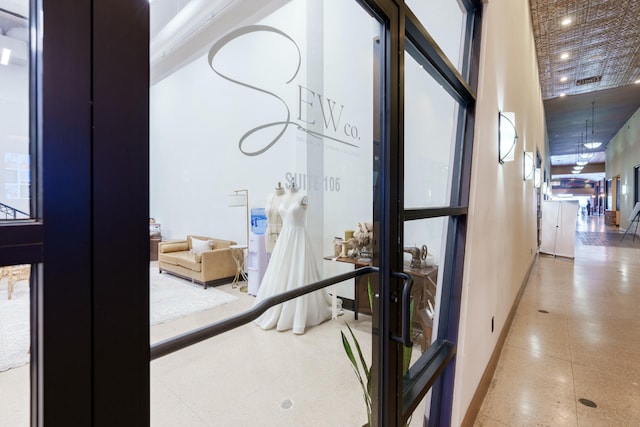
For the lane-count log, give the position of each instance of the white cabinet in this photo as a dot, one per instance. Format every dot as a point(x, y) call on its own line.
point(256, 262)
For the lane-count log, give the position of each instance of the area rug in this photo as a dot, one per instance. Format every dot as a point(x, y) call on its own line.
point(611, 239)
point(170, 298)
point(14, 325)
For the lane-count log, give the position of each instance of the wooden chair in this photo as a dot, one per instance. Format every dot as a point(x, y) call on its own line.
point(14, 274)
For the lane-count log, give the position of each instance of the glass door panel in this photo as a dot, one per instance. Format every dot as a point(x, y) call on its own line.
point(16, 202)
point(15, 151)
point(263, 132)
point(422, 261)
point(445, 22)
point(433, 141)
point(431, 118)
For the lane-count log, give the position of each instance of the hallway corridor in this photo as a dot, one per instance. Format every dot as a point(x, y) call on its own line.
point(572, 356)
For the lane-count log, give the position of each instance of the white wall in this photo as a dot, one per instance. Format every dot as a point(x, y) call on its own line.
point(623, 154)
point(501, 236)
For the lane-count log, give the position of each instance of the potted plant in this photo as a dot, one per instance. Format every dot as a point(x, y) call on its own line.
point(359, 364)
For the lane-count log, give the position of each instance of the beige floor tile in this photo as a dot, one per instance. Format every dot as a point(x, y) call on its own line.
point(614, 362)
point(530, 389)
point(484, 421)
point(597, 294)
point(260, 371)
point(617, 399)
point(545, 334)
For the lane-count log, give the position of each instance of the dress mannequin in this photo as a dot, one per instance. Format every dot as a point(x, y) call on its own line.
point(292, 265)
point(274, 221)
point(292, 196)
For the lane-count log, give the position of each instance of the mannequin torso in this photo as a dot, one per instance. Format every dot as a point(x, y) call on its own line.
point(274, 221)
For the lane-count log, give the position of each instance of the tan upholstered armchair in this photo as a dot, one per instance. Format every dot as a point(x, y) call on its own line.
point(204, 260)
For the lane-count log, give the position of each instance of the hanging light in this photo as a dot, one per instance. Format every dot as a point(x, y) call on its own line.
point(593, 144)
point(581, 153)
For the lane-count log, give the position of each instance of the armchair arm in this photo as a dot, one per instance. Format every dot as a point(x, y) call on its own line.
point(173, 246)
point(217, 264)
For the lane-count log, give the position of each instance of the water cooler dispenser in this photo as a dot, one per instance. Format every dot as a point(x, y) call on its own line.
point(257, 254)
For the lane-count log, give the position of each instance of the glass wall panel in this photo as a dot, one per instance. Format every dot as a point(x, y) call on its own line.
point(430, 119)
point(15, 339)
point(424, 255)
point(15, 204)
point(424, 252)
point(444, 20)
point(15, 165)
point(263, 126)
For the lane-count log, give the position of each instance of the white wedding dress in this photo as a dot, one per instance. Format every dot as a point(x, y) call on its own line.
point(292, 265)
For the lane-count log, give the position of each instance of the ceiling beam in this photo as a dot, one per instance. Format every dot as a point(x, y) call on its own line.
point(566, 169)
point(574, 191)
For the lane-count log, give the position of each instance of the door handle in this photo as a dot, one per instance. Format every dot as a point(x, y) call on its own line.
point(405, 339)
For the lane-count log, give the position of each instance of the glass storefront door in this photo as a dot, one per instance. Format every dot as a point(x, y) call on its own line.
point(266, 139)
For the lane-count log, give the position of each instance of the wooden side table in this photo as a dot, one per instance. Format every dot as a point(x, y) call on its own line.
point(423, 293)
point(361, 294)
point(14, 274)
point(153, 247)
point(237, 252)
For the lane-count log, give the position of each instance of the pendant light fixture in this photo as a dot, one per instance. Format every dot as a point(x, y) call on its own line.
point(582, 154)
point(593, 144)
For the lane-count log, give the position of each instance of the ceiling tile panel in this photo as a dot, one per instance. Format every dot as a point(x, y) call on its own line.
point(603, 41)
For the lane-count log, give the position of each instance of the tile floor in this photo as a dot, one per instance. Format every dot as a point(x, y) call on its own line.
point(586, 347)
point(251, 377)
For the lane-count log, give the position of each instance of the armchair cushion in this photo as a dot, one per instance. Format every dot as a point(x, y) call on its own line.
point(189, 261)
point(198, 246)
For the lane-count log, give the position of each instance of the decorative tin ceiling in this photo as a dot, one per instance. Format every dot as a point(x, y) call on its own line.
point(598, 82)
point(601, 40)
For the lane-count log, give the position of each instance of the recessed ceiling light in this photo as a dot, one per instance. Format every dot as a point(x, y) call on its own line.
point(564, 79)
point(562, 95)
point(564, 55)
point(637, 81)
point(566, 21)
point(6, 54)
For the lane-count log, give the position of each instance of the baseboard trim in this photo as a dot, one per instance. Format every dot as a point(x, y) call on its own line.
point(481, 391)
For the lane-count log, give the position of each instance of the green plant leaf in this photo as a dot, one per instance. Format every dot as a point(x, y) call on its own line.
point(366, 390)
point(347, 349)
point(365, 368)
point(370, 293)
point(354, 364)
